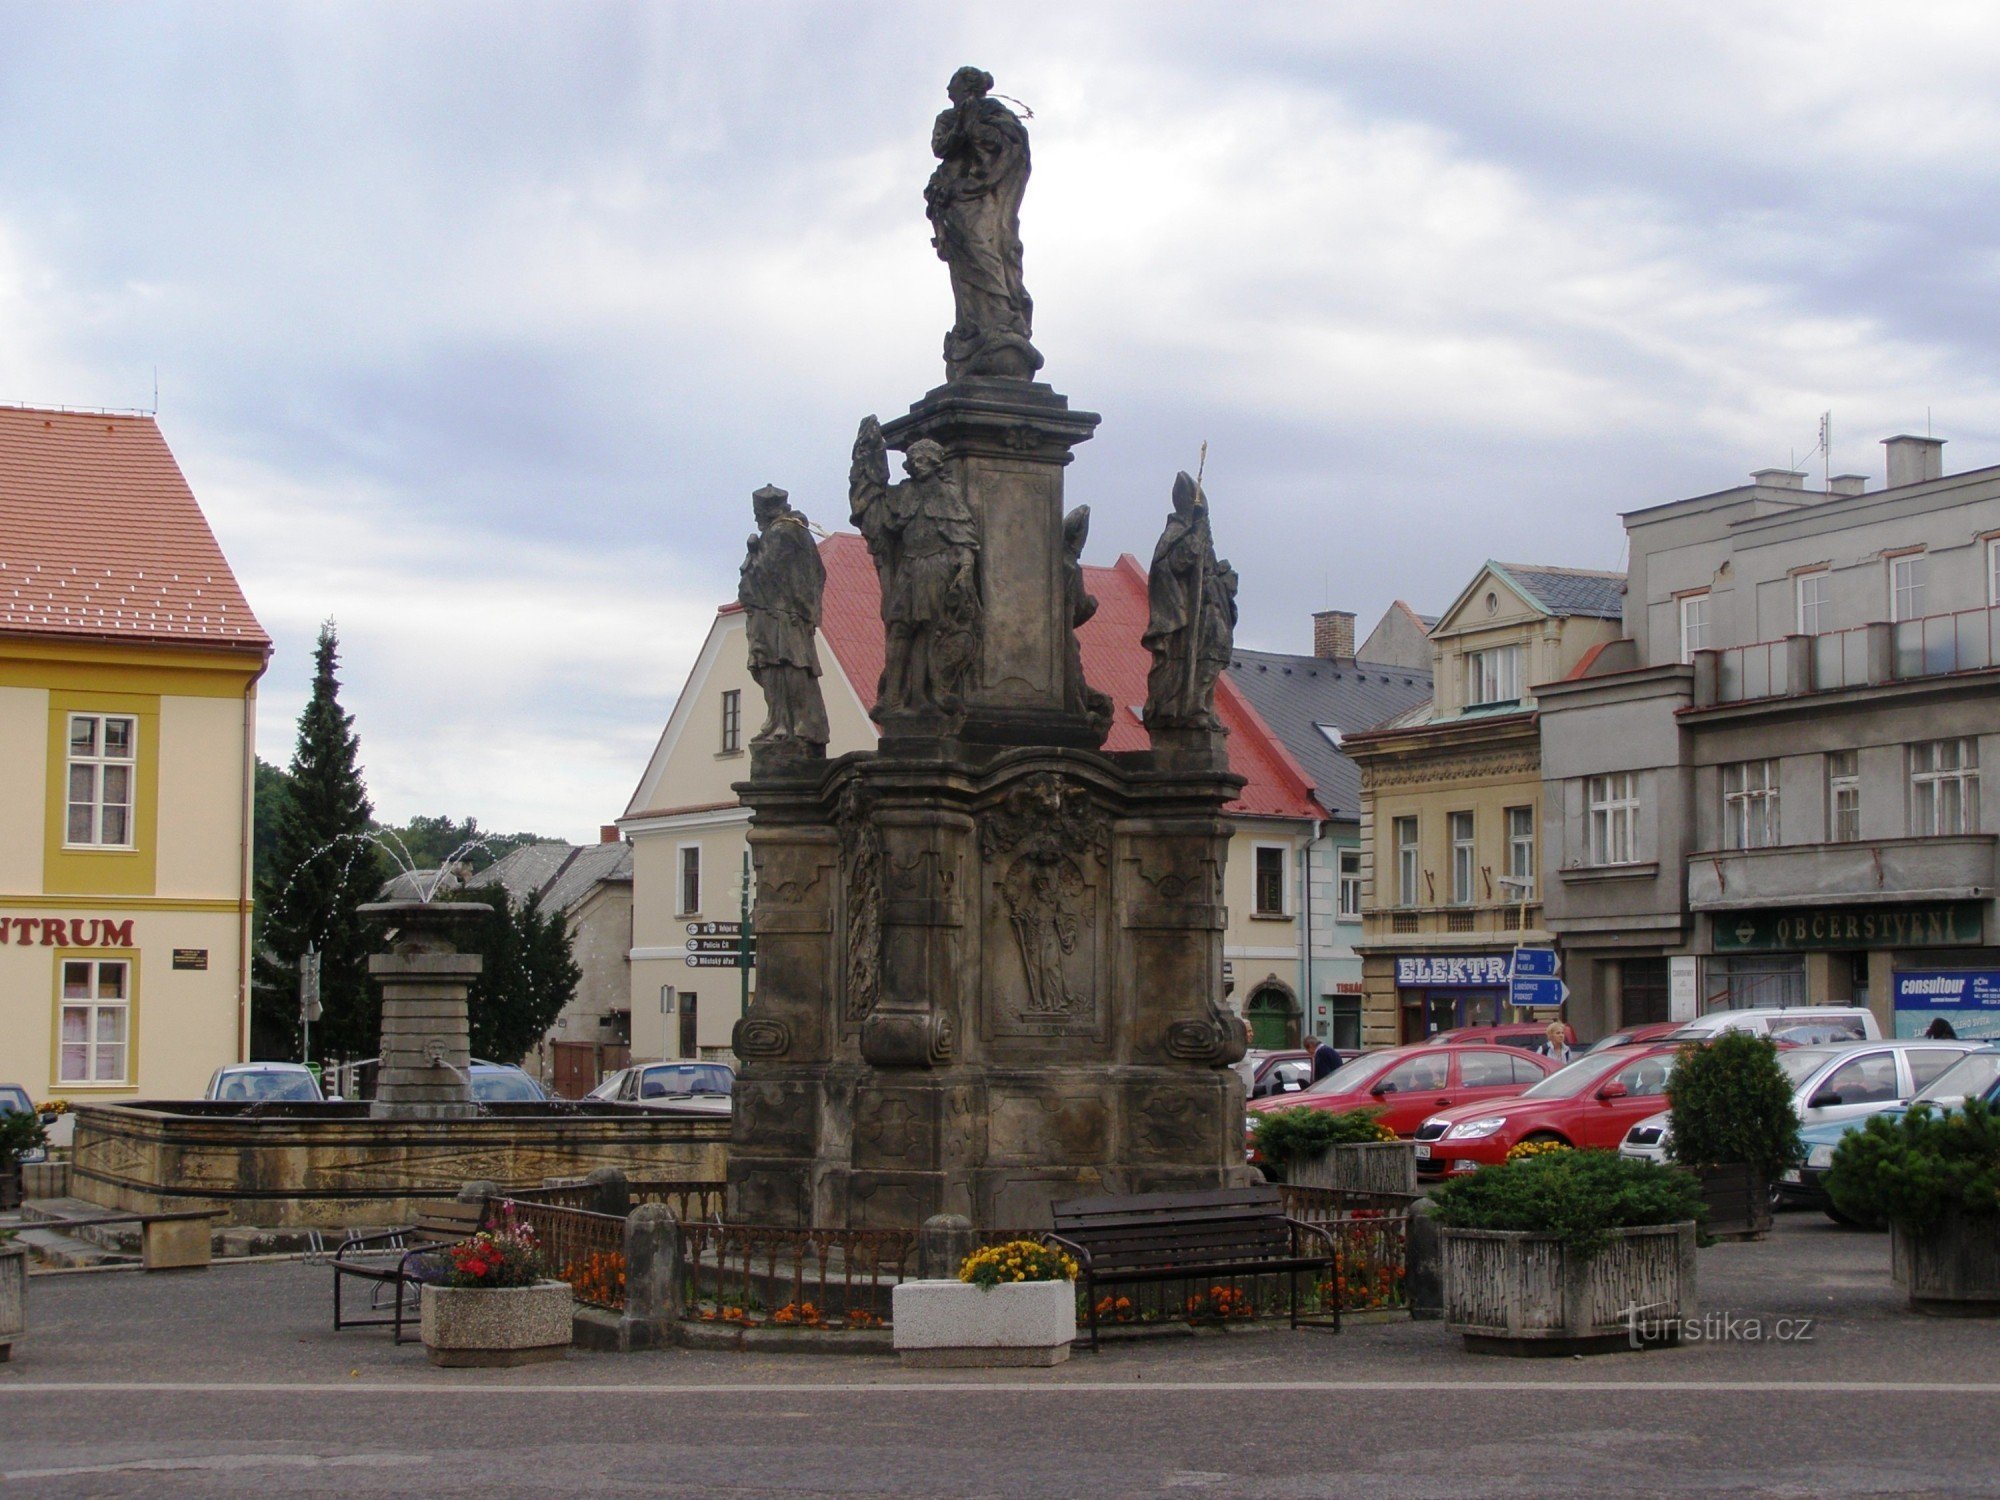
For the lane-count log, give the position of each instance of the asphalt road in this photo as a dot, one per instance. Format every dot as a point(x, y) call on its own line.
point(230, 1382)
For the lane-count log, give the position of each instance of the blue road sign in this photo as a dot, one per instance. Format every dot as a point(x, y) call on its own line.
point(1537, 991)
point(1536, 963)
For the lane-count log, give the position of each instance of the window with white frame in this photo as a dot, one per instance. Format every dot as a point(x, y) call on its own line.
point(1407, 869)
point(1612, 814)
point(1268, 899)
point(1350, 885)
point(1908, 576)
point(1493, 675)
point(1843, 796)
point(1461, 858)
point(690, 879)
point(732, 720)
point(1944, 787)
point(103, 757)
point(1750, 804)
point(1694, 625)
point(1521, 852)
point(94, 1033)
point(1810, 591)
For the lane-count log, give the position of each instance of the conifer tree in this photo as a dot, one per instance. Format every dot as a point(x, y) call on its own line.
point(323, 868)
point(528, 976)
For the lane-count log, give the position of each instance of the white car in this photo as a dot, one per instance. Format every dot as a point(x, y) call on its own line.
point(1831, 1082)
point(687, 1087)
point(1802, 1024)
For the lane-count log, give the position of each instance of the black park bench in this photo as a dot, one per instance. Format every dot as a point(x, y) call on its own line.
point(361, 1257)
point(1140, 1238)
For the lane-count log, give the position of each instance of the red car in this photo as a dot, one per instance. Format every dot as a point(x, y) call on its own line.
point(1408, 1084)
point(1592, 1102)
point(1527, 1034)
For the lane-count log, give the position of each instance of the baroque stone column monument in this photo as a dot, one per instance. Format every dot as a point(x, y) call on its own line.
point(989, 953)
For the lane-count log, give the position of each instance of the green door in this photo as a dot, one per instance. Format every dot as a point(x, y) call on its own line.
point(1272, 1021)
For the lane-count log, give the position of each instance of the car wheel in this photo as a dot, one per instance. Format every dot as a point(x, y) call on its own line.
point(1543, 1138)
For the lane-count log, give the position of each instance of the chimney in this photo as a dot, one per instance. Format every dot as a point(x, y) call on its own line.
point(1912, 460)
point(1847, 484)
point(1778, 479)
point(1333, 635)
point(607, 833)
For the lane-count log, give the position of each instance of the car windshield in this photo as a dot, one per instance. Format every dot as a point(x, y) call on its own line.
point(15, 1101)
point(508, 1086)
point(285, 1085)
point(686, 1078)
point(1801, 1063)
point(1348, 1078)
point(1968, 1078)
point(1567, 1083)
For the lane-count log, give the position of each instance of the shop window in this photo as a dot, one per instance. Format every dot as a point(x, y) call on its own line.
point(103, 750)
point(1642, 991)
point(1750, 804)
point(1944, 787)
point(1346, 1013)
point(96, 1022)
point(1843, 796)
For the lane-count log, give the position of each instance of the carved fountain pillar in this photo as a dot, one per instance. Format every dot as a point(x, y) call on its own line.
point(426, 1037)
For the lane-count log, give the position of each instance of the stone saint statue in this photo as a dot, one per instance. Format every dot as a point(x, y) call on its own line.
point(925, 542)
point(779, 588)
point(1193, 617)
point(1079, 604)
point(974, 202)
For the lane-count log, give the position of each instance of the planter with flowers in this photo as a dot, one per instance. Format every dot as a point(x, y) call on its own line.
point(1012, 1305)
point(1351, 1150)
point(492, 1304)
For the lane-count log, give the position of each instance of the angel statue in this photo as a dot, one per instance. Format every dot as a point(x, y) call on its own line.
point(925, 542)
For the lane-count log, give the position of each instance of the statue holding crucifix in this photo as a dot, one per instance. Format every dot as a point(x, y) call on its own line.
point(1192, 621)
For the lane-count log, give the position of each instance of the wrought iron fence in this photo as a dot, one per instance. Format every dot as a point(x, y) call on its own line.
point(690, 1201)
point(585, 1249)
point(1373, 1233)
point(757, 1276)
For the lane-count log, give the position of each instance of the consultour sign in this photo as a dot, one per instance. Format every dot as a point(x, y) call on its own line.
point(1967, 998)
point(1919, 924)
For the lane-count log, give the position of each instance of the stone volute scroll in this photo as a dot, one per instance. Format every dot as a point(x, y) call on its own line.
point(924, 539)
point(1192, 617)
point(974, 203)
point(779, 587)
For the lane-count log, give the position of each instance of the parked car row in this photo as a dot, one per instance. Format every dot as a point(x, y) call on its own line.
point(264, 1082)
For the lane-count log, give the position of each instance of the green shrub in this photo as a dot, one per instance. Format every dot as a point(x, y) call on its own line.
point(19, 1134)
point(1284, 1136)
point(1578, 1196)
point(1917, 1169)
point(1732, 1105)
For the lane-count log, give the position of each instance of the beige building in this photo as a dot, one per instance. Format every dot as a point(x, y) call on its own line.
point(129, 660)
point(1451, 801)
point(689, 833)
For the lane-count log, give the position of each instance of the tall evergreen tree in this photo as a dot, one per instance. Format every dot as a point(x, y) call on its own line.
point(323, 868)
point(529, 975)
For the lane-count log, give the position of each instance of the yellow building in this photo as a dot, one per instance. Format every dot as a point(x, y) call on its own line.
point(128, 668)
point(1452, 802)
point(689, 833)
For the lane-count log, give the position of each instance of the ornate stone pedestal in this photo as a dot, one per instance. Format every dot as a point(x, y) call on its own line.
point(426, 1043)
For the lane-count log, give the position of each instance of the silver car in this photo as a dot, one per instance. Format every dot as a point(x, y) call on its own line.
point(1831, 1082)
point(687, 1087)
point(257, 1082)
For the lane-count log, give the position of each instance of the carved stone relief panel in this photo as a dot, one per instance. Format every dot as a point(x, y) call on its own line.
point(1046, 907)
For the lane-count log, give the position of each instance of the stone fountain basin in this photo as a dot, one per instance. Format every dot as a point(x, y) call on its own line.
point(332, 1166)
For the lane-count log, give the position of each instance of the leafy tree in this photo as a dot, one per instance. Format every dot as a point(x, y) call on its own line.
point(430, 841)
point(528, 977)
point(1732, 1105)
point(323, 868)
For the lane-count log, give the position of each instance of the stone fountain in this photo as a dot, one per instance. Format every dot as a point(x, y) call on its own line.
point(426, 1034)
point(989, 953)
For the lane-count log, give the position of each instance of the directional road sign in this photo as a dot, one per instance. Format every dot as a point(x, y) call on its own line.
point(717, 960)
point(1536, 963)
point(1537, 992)
point(715, 929)
point(718, 945)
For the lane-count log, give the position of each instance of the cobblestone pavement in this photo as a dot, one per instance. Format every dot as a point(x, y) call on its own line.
point(231, 1382)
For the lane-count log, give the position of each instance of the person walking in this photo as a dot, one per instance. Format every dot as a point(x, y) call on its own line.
point(1325, 1059)
point(1556, 1047)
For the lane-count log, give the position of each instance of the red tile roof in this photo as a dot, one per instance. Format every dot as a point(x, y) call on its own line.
point(101, 537)
point(1114, 661)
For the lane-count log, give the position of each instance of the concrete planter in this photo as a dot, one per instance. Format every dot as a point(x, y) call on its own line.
point(1738, 1200)
point(1377, 1167)
point(954, 1324)
point(1952, 1270)
point(13, 1297)
point(469, 1325)
point(1512, 1293)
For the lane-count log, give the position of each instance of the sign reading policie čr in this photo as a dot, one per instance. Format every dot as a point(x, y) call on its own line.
point(1931, 924)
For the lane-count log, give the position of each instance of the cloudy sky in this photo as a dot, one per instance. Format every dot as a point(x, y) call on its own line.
point(476, 324)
